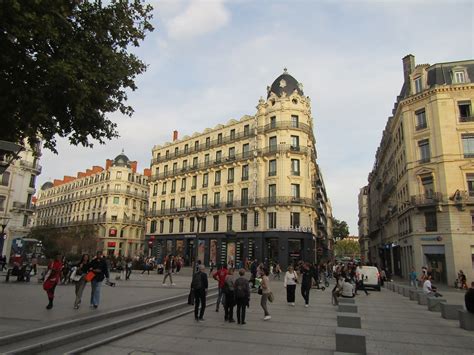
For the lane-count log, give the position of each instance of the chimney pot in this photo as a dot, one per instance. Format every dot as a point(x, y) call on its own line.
point(175, 135)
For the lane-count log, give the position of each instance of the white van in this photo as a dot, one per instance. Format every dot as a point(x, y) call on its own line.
point(371, 277)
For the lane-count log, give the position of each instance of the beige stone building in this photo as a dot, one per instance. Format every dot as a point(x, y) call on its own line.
point(112, 199)
point(17, 188)
point(363, 223)
point(253, 183)
point(421, 189)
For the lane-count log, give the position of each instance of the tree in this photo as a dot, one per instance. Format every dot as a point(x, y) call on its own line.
point(64, 65)
point(340, 230)
point(347, 247)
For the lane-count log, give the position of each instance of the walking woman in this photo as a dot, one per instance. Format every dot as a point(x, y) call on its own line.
point(242, 295)
point(52, 278)
point(80, 280)
point(266, 291)
point(291, 279)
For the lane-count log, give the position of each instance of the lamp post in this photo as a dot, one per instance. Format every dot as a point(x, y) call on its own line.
point(3, 236)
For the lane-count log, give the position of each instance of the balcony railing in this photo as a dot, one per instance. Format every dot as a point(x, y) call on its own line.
point(466, 119)
point(23, 206)
point(427, 199)
point(29, 165)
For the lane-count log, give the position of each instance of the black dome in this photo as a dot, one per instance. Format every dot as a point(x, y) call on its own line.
point(285, 83)
point(121, 160)
point(47, 185)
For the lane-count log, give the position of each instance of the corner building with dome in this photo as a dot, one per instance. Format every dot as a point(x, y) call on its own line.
point(252, 186)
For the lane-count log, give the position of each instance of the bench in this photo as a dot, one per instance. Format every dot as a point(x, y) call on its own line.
point(350, 340)
point(434, 303)
point(348, 320)
point(347, 308)
point(346, 300)
point(466, 320)
point(422, 299)
point(450, 311)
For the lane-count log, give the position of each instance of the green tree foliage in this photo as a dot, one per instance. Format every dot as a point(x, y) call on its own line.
point(65, 64)
point(347, 247)
point(340, 230)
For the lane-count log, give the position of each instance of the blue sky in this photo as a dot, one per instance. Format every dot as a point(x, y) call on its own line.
point(211, 60)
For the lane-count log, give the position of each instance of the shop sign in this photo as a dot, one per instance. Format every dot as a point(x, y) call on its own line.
point(190, 235)
point(112, 232)
point(111, 244)
point(432, 239)
point(300, 229)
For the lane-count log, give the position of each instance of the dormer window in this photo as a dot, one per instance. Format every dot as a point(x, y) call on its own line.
point(418, 86)
point(459, 77)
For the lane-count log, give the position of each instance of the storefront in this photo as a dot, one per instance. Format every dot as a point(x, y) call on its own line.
point(435, 259)
point(237, 249)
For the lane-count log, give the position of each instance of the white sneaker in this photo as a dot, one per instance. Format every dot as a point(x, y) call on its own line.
point(267, 317)
point(306, 305)
point(173, 284)
point(164, 284)
point(293, 304)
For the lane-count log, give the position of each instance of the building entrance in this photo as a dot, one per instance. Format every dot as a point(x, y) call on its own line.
point(272, 250)
point(436, 262)
point(294, 251)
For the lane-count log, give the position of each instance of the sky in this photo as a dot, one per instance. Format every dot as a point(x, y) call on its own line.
point(211, 60)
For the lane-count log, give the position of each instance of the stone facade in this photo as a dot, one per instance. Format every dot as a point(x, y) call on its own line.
point(421, 189)
point(113, 199)
point(253, 183)
point(363, 224)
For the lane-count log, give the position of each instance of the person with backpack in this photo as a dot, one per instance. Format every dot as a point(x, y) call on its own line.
point(199, 286)
point(242, 296)
point(229, 297)
point(220, 276)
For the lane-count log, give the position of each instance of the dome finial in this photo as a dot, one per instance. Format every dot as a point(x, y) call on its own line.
point(123, 150)
point(285, 70)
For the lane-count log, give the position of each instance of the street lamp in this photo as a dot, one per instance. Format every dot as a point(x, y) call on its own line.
point(8, 153)
point(3, 236)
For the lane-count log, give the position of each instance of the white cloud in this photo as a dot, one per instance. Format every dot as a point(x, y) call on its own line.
point(199, 17)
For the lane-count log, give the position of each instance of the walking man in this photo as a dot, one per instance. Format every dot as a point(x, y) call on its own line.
point(242, 296)
point(169, 267)
point(99, 266)
point(220, 276)
point(199, 286)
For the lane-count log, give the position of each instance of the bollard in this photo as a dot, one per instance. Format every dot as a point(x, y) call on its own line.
point(422, 299)
point(350, 340)
point(434, 304)
point(450, 311)
point(466, 320)
point(348, 320)
point(413, 294)
point(406, 292)
point(348, 308)
point(347, 300)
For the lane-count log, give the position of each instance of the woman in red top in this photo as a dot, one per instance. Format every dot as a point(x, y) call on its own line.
point(53, 275)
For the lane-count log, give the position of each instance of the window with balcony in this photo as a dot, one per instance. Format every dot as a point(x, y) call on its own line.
point(185, 165)
point(243, 221)
point(218, 156)
point(272, 167)
point(196, 146)
point(272, 143)
point(231, 153)
point(246, 150)
point(219, 138)
point(162, 226)
point(163, 206)
point(182, 202)
point(167, 154)
point(193, 201)
point(431, 223)
point(295, 219)
point(465, 112)
point(246, 130)
point(245, 172)
point(215, 223)
point(272, 220)
point(295, 121)
point(272, 193)
point(217, 178)
point(420, 119)
point(205, 180)
point(273, 122)
point(172, 204)
point(232, 134)
point(175, 168)
point(171, 223)
point(181, 225)
point(206, 160)
point(295, 192)
point(295, 143)
point(176, 151)
point(173, 186)
point(217, 199)
point(183, 184)
point(208, 142)
point(424, 146)
point(195, 162)
point(468, 145)
point(229, 223)
point(165, 170)
point(230, 198)
point(230, 175)
point(204, 200)
point(244, 196)
point(194, 182)
point(418, 85)
point(186, 148)
point(470, 184)
point(155, 189)
point(295, 167)
point(5, 178)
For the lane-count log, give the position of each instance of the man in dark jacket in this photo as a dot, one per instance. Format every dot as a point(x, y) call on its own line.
point(307, 281)
point(242, 296)
point(469, 299)
point(199, 285)
point(99, 266)
point(253, 272)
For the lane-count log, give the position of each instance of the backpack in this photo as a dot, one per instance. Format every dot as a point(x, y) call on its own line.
point(240, 291)
point(196, 284)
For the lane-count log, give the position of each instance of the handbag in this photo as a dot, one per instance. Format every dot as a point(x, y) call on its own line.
point(90, 276)
point(271, 298)
point(191, 298)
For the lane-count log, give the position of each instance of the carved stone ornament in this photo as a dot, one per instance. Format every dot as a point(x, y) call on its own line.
point(282, 83)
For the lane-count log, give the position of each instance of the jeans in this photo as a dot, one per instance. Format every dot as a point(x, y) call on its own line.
point(414, 283)
point(305, 294)
point(95, 293)
point(263, 303)
point(128, 273)
point(168, 273)
point(80, 285)
point(229, 306)
point(290, 293)
point(220, 298)
point(199, 299)
point(241, 306)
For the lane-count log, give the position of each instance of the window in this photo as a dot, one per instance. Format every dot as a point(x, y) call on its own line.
point(217, 199)
point(171, 226)
point(231, 153)
point(117, 188)
point(218, 156)
point(191, 224)
point(428, 186)
point(424, 146)
point(5, 178)
point(272, 167)
point(193, 201)
point(465, 111)
point(153, 205)
point(295, 219)
point(272, 193)
point(182, 202)
point(246, 130)
point(183, 184)
point(116, 200)
point(219, 138)
point(186, 148)
point(430, 221)
point(204, 200)
point(172, 204)
point(232, 134)
point(295, 143)
point(153, 227)
point(229, 223)
point(181, 225)
point(255, 218)
point(32, 181)
point(295, 167)
point(208, 142)
point(418, 86)
point(230, 198)
point(295, 191)
point(468, 145)
point(472, 221)
point(175, 168)
point(206, 160)
point(420, 119)
point(118, 175)
point(196, 146)
point(230, 175)
point(245, 172)
point(162, 226)
point(294, 121)
point(195, 162)
point(167, 154)
point(165, 170)
point(25, 220)
point(244, 196)
point(272, 142)
point(246, 150)
point(470, 184)
point(155, 189)
point(243, 221)
point(205, 180)
point(215, 223)
point(272, 219)
point(217, 178)
point(459, 77)
point(176, 151)
point(173, 186)
point(114, 218)
point(163, 206)
point(185, 165)
point(203, 224)
point(194, 182)
point(273, 122)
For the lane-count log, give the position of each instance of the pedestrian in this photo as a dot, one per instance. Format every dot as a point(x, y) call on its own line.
point(52, 278)
point(211, 267)
point(220, 276)
point(169, 267)
point(242, 296)
point(276, 271)
point(179, 263)
point(429, 289)
point(290, 281)
point(462, 281)
point(128, 268)
point(34, 264)
point(79, 278)
point(253, 272)
point(266, 291)
point(229, 296)
point(347, 287)
point(199, 286)
point(413, 276)
point(3, 262)
point(469, 299)
point(99, 267)
point(306, 282)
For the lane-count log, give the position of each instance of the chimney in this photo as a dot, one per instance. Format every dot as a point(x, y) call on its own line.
point(175, 135)
point(408, 66)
